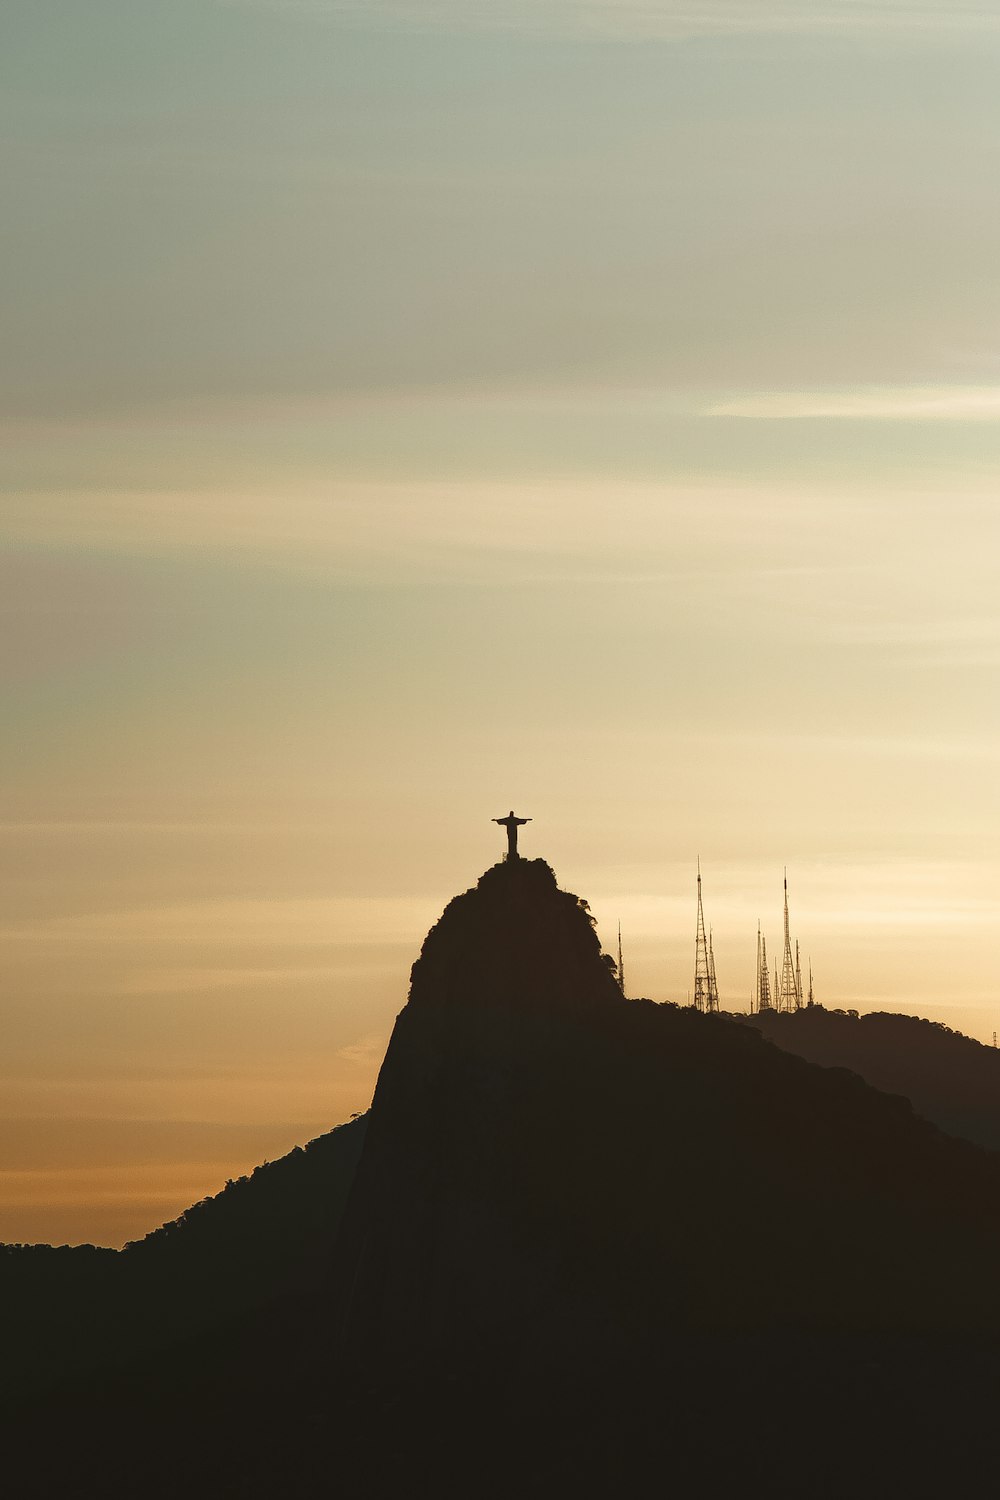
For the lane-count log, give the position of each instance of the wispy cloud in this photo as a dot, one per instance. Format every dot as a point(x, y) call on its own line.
point(306, 923)
point(929, 643)
point(917, 403)
point(436, 525)
point(668, 19)
point(829, 897)
point(171, 980)
point(367, 1051)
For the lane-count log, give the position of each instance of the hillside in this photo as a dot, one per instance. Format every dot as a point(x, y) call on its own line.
point(949, 1078)
point(67, 1312)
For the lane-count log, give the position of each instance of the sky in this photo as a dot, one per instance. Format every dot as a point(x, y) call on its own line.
point(414, 409)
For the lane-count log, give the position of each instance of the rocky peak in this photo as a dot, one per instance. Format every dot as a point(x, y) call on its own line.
point(515, 939)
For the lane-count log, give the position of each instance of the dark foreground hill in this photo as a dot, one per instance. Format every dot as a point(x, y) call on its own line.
point(948, 1078)
point(70, 1313)
point(592, 1246)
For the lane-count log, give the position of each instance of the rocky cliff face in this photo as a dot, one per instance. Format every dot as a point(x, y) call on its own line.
point(553, 1174)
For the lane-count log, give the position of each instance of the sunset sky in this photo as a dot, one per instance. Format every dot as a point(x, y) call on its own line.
point(417, 410)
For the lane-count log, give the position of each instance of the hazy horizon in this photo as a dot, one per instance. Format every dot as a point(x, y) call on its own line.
point(415, 410)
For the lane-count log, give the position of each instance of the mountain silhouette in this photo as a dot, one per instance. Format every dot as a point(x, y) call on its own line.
point(581, 1244)
point(551, 1168)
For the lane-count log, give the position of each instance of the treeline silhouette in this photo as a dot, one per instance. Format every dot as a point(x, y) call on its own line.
point(948, 1078)
point(68, 1312)
point(580, 1245)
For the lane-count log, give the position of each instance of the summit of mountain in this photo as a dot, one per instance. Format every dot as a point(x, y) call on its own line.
point(514, 940)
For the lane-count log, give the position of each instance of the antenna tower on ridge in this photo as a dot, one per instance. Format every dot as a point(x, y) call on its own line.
point(763, 978)
point(621, 962)
point(713, 983)
point(702, 972)
point(789, 987)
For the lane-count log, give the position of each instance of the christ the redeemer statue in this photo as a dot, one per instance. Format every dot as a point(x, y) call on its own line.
point(511, 824)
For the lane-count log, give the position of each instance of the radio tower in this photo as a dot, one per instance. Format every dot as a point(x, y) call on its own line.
point(763, 978)
point(811, 1000)
point(702, 973)
point(789, 996)
point(713, 983)
point(621, 962)
point(798, 978)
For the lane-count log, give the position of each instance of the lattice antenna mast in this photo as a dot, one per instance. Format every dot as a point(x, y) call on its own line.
point(788, 989)
point(763, 978)
point(798, 978)
point(621, 962)
point(702, 980)
point(713, 983)
point(811, 1000)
